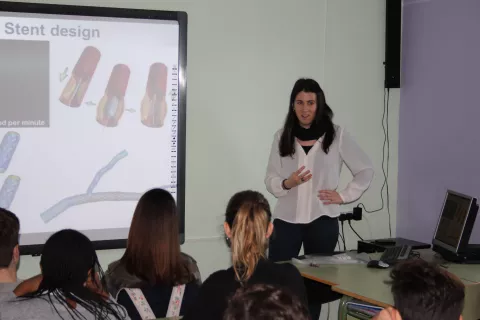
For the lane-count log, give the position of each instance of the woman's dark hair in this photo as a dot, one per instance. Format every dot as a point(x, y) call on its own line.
point(248, 216)
point(323, 117)
point(153, 247)
point(68, 262)
point(261, 301)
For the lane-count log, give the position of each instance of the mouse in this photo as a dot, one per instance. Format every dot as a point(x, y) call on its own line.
point(377, 264)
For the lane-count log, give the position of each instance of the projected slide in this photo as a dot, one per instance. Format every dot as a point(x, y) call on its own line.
point(88, 120)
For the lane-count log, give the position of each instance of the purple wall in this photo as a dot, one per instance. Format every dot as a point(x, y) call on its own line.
point(439, 138)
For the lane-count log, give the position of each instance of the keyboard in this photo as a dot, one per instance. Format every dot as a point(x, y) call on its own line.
point(394, 254)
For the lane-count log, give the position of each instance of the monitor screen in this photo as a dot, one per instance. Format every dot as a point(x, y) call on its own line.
point(452, 220)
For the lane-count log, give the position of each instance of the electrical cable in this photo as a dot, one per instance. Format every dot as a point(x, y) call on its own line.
point(385, 161)
point(351, 227)
point(343, 241)
point(388, 164)
point(343, 238)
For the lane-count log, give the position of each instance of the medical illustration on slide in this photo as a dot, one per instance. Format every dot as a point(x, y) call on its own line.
point(76, 87)
point(154, 105)
point(89, 196)
point(63, 75)
point(8, 191)
point(7, 149)
point(111, 106)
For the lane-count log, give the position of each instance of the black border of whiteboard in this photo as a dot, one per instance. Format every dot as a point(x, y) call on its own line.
point(111, 12)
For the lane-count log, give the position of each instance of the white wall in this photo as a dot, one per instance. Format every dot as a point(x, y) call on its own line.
point(354, 76)
point(243, 58)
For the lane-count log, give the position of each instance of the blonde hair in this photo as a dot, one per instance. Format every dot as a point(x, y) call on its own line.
point(249, 217)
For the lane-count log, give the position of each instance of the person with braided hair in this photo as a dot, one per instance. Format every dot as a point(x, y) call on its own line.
point(71, 285)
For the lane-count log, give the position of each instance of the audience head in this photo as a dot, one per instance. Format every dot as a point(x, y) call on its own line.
point(248, 227)
point(153, 246)
point(308, 109)
point(424, 291)
point(71, 273)
point(265, 302)
point(9, 235)
point(68, 260)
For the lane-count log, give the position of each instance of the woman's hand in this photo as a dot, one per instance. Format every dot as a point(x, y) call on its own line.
point(297, 178)
point(330, 197)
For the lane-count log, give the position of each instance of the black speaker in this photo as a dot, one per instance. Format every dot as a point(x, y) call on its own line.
point(393, 43)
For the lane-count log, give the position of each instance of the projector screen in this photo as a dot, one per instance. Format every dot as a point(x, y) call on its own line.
point(93, 106)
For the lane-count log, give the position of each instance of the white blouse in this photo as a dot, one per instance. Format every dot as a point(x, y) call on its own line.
point(301, 204)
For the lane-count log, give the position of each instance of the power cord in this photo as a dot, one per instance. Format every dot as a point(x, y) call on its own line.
point(385, 181)
point(343, 239)
point(388, 164)
point(343, 242)
point(351, 227)
point(385, 161)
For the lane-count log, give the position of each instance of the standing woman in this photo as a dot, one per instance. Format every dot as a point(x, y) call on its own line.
point(304, 172)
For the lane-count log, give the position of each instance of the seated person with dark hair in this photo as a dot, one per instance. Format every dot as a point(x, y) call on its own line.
point(71, 285)
point(424, 291)
point(154, 279)
point(261, 301)
point(9, 253)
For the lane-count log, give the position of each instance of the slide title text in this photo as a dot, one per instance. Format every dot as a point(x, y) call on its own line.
point(55, 31)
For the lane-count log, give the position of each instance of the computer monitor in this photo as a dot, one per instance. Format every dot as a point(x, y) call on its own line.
point(456, 222)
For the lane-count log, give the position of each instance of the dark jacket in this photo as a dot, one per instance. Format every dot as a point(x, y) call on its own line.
point(157, 295)
point(221, 285)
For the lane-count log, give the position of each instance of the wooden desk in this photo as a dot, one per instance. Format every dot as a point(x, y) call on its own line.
point(368, 284)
